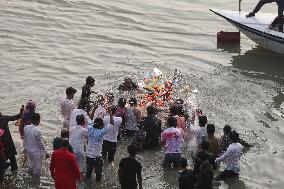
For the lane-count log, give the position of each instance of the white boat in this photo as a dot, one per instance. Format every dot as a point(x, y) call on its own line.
point(257, 28)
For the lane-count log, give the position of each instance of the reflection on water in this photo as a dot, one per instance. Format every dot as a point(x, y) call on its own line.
point(261, 63)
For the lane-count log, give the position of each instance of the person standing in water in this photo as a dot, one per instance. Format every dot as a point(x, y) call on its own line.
point(133, 117)
point(9, 146)
point(129, 171)
point(34, 145)
point(63, 167)
point(67, 106)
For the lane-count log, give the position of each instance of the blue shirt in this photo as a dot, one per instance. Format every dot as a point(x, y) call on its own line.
point(95, 140)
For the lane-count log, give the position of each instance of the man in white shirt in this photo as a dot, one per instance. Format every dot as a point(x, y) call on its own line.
point(110, 138)
point(172, 139)
point(79, 111)
point(94, 148)
point(201, 131)
point(231, 157)
point(77, 136)
point(34, 145)
point(67, 106)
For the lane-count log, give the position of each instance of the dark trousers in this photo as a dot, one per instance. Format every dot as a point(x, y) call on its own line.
point(96, 163)
point(280, 4)
point(13, 162)
point(109, 149)
point(226, 174)
point(151, 142)
point(171, 159)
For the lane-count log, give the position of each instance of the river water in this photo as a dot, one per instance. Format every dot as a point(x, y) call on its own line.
point(47, 45)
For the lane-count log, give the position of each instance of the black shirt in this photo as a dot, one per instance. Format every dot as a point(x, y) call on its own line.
point(152, 127)
point(129, 169)
point(205, 178)
point(186, 179)
point(197, 163)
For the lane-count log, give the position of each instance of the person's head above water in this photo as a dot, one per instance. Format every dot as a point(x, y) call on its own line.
point(98, 123)
point(35, 119)
point(132, 150)
point(90, 81)
point(227, 129)
point(172, 122)
point(202, 121)
point(234, 136)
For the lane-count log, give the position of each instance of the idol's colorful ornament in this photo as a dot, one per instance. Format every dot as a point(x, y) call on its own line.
point(158, 92)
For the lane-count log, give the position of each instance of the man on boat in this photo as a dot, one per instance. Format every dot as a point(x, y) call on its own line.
point(279, 18)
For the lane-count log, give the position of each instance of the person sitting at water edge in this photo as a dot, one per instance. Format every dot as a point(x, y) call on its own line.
point(34, 145)
point(129, 171)
point(67, 106)
point(231, 157)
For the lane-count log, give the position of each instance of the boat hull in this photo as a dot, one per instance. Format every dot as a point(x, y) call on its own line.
point(257, 29)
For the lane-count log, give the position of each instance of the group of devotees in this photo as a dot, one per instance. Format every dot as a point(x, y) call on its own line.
point(92, 129)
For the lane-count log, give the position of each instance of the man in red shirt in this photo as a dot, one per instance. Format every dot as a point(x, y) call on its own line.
point(63, 167)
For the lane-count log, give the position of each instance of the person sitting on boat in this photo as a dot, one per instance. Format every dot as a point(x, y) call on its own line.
point(280, 4)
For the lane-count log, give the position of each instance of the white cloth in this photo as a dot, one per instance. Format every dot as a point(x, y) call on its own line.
point(77, 135)
point(112, 134)
point(95, 140)
point(200, 134)
point(173, 139)
point(100, 112)
point(232, 157)
point(131, 120)
point(34, 145)
point(33, 141)
point(67, 106)
point(73, 116)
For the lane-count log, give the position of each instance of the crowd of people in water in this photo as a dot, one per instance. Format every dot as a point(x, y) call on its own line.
point(92, 129)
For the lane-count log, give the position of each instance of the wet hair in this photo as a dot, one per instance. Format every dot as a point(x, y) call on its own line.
point(90, 80)
point(183, 162)
point(35, 118)
point(204, 145)
point(98, 123)
point(70, 90)
point(174, 110)
point(210, 129)
point(227, 129)
point(64, 133)
point(121, 102)
point(202, 121)
point(234, 136)
point(172, 122)
point(132, 101)
point(64, 142)
point(132, 150)
point(113, 109)
point(151, 110)
point(202, 156)
point(80, 119)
